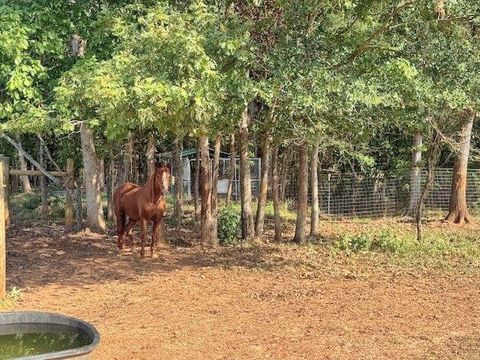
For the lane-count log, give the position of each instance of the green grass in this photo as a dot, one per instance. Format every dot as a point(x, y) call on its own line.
point(437, 249)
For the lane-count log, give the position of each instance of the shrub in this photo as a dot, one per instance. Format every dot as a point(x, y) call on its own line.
point(228, 224)
point(355, 243)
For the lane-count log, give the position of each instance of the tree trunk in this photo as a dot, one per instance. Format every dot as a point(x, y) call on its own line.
point(415, 180)
point(216, 165)
point(262, 195)
point(432, 159)
point(245, 180)
point(26, 186)
point(276, 196)
point(95, 220)
point(78, 207)
point(43, 185)
point(231, 171)
point(302, 198)
point(196, 181)
point(178, 174)
point(284, 174)
point(128, 159)
point(150, 154)
point(314, 223)
point(458, 211)
point(109, 183)
point(101, 174)
point(206, 219)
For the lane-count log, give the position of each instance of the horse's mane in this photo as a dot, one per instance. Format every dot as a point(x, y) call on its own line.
point(150, 189)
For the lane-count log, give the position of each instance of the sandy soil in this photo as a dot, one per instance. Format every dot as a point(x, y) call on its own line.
point(256, 302)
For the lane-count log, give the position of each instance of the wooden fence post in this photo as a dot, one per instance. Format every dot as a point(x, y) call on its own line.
point(6, 176)
point(3, 250)
point(70, 182)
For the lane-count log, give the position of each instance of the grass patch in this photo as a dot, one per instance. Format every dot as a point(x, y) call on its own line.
point(13, 296)
point(437, 249)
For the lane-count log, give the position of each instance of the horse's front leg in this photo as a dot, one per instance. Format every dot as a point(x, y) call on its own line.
point(131, 223)
point(143, 232)
point(155, 235)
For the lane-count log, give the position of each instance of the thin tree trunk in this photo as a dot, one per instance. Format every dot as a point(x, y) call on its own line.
point(458, 211)
point(262, 195)
point(284, 174)
point(78, 207)
point(178, 174)
point(314, 223)
point(95, 219)
point(302, 198)
point(43, 185)
point(27, 187)
point(128, 159)
point(206, 219)
point(216, 165)
point(101, 174)
point(432, 159)
point(415, 180)
point(245, 180)
point(196, 181)
point(231, 171)
point(276, 196)
point(150, 154)
point(109, 184)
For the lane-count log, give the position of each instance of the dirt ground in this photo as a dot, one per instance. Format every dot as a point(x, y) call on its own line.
point(252, 302)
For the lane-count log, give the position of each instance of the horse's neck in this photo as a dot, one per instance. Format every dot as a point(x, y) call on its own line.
point(150, 191)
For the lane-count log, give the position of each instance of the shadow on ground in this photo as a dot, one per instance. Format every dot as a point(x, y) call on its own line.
point(40, 255)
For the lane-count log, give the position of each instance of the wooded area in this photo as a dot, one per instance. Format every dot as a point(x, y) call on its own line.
point(354, 86)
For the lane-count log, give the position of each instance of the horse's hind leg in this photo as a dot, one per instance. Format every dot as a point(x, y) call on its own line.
point(131, 223)
point(143, 232)
point(120, 230)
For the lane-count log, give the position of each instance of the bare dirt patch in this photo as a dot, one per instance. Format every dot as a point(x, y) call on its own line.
point(254, 302)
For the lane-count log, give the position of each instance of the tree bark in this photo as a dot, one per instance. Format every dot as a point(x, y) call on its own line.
point(302, 198)
point(216, 165)
point(178, 174)
point(150, 154)
point(95, 219)
point(109, 183)
point(314, 223)
point(458, 211)
point(415, 180)
point(206, 219)
point(231, 171)
point(128, 159)
point(245, 179)
point(196, 181)
point(262, 195)
point(26, 186)
point(276, 196)
point(284, 174)
point(432, 159)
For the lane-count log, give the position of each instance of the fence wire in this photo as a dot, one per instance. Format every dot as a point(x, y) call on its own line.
point(354, 195)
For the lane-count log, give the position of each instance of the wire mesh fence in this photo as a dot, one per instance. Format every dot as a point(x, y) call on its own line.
point(383, 194)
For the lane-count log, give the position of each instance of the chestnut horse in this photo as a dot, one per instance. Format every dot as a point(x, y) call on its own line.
point(142, 204)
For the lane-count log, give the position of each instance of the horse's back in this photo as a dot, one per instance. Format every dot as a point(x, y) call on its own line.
point(123, 190)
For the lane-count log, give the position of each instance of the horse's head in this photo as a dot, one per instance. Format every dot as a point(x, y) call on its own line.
point(162, 178)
